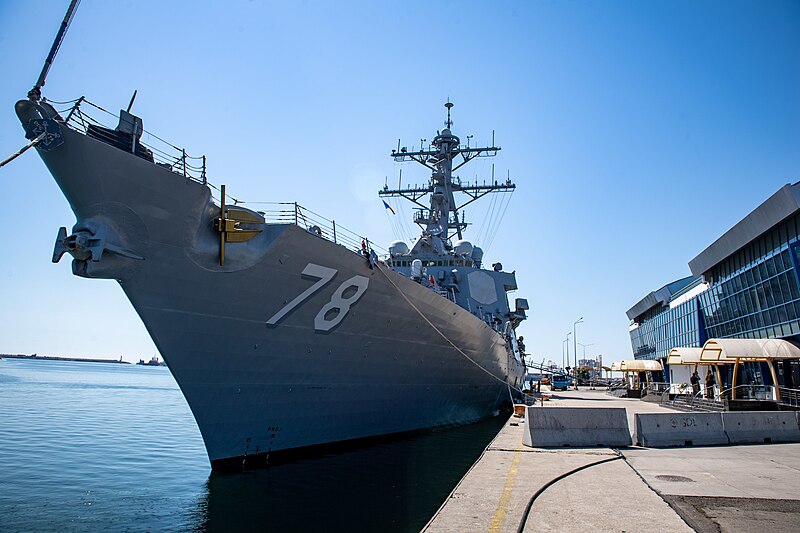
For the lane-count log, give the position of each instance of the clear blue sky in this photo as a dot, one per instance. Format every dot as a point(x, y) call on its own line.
point(637, 133)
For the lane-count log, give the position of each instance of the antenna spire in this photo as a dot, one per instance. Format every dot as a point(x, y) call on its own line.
point(440, 221)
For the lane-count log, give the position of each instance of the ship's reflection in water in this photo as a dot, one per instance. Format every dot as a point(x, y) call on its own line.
point(389, 486)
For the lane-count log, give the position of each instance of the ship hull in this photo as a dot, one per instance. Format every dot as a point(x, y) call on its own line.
point(389, 367)
point(368, 353)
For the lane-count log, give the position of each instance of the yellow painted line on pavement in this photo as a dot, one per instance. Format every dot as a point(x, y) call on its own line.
point(499, 517)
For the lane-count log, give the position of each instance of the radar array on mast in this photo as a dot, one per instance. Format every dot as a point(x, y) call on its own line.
point(444, 156)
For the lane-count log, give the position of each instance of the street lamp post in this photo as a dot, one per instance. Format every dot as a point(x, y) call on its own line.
point(565, 362)
point(575, 342)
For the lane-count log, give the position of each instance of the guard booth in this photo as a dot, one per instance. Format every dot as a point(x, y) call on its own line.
point(637, 374)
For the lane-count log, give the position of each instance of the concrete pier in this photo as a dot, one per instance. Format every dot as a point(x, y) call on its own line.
point(719, 488)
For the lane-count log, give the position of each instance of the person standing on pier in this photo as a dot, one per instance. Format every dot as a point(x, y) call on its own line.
point(710, 385)
point(695, 380)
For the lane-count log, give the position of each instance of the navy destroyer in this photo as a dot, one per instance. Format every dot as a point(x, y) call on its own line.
point(285, 332)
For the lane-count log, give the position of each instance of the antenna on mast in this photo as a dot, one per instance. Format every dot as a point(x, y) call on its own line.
point(130, 105)
point(439, 220)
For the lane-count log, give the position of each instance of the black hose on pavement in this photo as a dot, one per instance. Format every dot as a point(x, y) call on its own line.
point(521, 527)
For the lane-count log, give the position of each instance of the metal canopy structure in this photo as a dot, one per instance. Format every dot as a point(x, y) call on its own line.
point(756, 350)
point(685, 356)
point(636, 365)
point(737, 351)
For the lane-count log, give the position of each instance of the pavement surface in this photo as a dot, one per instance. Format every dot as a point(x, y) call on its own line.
point(707, 489)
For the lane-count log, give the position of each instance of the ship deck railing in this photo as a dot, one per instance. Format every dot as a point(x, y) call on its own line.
point(445, 292)
point(294, 213)
point(165, 153)
point(176, 159)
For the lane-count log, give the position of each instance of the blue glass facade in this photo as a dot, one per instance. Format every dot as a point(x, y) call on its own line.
point(753, 293)
point(666, 328)
point(746, 284)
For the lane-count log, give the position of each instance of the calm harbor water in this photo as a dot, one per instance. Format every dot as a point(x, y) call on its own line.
point(93, 446)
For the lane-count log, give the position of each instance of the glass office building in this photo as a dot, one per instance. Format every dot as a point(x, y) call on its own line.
point(744, 285)
point(756, 293)
point(666, 318)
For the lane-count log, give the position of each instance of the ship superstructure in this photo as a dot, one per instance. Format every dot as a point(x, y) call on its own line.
point(441, 258)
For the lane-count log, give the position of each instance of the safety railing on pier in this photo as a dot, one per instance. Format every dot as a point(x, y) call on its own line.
point(789, 396)
point(752, 392)
point(617, 387)
point(748, 392)
point(705, 395)
point(657, 387)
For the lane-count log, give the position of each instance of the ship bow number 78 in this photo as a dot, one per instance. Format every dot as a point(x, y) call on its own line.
point(332, 313)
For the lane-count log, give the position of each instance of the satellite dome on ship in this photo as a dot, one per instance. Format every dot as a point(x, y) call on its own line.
point(463, 247)
point(398, 248)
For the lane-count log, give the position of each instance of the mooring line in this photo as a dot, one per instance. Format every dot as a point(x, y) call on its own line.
point(437, 330)
point(22, 150)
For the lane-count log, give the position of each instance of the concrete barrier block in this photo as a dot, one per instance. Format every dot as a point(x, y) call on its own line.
point(576, 426)
point(759, 427)
point(658, 430)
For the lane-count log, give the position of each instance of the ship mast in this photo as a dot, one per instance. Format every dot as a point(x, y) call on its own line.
point(445, 155)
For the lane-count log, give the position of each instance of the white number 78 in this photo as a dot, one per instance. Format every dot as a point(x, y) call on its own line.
point(339, 303)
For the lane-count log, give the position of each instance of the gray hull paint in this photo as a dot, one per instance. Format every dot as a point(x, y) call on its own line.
point(253, 388)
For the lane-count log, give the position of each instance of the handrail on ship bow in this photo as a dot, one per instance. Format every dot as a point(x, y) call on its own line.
point(194, 168)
